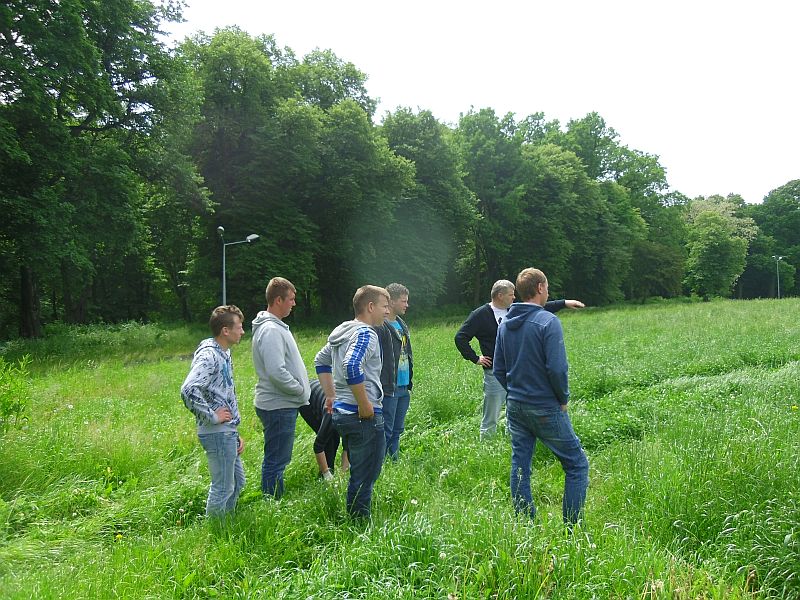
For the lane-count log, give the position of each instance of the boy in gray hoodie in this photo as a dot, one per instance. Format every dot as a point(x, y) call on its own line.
point(282, 386)
point(209, 393)
point(349, 369)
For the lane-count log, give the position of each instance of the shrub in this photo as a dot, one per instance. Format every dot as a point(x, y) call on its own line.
point(14, 393)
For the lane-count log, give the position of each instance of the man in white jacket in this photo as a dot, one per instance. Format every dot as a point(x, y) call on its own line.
point(282, 386)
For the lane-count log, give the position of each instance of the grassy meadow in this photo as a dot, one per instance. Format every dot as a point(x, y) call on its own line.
point(688, 413)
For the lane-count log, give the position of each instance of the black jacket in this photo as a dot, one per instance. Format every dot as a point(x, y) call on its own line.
point(391, 346)
point(480, 324)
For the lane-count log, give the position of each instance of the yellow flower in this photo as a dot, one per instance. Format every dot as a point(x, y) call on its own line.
point(794, 406)
point(118, 536)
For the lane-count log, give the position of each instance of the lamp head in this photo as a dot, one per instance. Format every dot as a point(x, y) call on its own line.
point(221, 231)
point(252, 237)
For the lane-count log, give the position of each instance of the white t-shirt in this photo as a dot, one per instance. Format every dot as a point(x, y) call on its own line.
point(499, 313)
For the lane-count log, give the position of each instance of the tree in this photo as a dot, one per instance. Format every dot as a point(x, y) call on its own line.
point(79, 85)
point(717, 243)
point(779, 217)
point(435, 214)
point(490, 155)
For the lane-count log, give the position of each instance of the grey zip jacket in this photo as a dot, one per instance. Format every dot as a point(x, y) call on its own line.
point(353, 355)
point(209, 386)
point(282, 376)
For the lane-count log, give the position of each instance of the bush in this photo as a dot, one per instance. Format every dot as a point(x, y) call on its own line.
point(14, 393)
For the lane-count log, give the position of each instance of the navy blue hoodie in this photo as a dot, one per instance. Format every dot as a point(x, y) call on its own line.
point(530, 360)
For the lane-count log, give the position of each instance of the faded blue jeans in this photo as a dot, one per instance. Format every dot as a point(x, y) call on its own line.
point(279, 426)
point(227, 472)
point(395, 408)
point(552, 426)
point(366, 447)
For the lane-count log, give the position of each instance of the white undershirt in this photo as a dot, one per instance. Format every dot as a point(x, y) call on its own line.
point(499, 313)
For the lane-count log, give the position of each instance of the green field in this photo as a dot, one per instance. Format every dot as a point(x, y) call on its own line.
point(688, 413)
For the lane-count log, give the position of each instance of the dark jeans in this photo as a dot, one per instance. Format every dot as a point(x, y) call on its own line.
point(553, 427)
point(394, 419)
point(366, 446)
point(279, 426)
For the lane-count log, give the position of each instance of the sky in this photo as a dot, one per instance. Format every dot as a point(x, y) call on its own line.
point(711, 87)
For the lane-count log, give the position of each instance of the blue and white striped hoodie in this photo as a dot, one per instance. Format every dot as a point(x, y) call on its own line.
point(353, 355)
point(209, 386)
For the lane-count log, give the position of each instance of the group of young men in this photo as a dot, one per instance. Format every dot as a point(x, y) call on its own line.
point(365, 373)
point(362, 395)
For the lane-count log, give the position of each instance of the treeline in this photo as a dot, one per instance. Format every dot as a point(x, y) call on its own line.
point(120, 157)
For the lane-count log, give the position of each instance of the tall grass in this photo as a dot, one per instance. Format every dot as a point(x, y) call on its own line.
point(688, 413)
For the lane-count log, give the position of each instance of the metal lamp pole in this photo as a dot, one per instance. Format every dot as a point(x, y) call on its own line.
point(778, 259)
point(250, 238)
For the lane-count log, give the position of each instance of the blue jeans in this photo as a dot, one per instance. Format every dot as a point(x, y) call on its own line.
point(553, 427)
point(279, 426)
point(227, 472)
point(493, 397)
point(394, 419)
point(366, 446)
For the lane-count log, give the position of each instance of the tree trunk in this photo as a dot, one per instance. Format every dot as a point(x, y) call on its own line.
point(30, 322)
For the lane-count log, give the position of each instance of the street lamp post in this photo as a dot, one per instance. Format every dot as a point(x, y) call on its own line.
point(250, 238)
point(778, 259)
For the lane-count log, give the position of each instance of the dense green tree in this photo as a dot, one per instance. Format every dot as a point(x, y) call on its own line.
point(490, 155)
point(435, 215)
point(360, 184)
point(717, 244)
point(79, 83)
point(779, 217)
point(595, 143)
point(325, 79)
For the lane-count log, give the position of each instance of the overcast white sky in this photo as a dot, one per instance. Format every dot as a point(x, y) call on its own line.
point(712, 87)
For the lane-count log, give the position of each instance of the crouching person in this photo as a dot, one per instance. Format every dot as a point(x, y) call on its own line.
point(210, 394)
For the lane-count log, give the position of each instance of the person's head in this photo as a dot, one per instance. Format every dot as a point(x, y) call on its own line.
point(532, 286)
point(371, 304)
point(502, 293)
point(398, 298)
point(226, 325)
point(280, 297)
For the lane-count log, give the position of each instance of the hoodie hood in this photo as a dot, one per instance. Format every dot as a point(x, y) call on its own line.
point(519, 313)
point(343, 333)
point(265, 316)
point(212, 345)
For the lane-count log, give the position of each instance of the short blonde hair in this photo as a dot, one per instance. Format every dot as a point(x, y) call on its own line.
point(366, 294)
point(278, 287)
point(528, 282)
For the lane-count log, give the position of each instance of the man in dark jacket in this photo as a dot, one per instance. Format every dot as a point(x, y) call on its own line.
point(530, 362)
point(398, 368)
point(482, 324)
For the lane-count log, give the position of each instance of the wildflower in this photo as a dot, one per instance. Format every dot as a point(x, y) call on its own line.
point(442, 555)
point(180, 510)
point(794, 406)
point(118, 537)
point(70, 407)
point(74, 515)
point(414, 501)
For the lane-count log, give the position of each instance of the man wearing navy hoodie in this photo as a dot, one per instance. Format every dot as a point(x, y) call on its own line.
point(530, 362)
